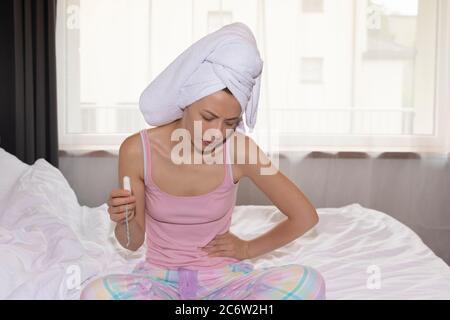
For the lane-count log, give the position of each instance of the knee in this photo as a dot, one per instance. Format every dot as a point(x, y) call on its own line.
point(312, 279)
point(318, 285)
point(95, 290)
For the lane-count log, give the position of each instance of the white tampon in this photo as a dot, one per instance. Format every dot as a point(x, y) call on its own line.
point(127, 186)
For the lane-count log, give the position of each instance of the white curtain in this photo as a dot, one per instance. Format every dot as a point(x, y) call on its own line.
point(339, 75)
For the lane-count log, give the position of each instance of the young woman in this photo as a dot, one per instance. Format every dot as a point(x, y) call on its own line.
point(183, 211)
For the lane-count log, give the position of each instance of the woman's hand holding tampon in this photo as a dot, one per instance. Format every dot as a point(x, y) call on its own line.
point(118, 201)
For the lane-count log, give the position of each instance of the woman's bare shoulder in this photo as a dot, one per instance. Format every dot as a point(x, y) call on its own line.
point(239, 153)
point(242, 146)
point(131, 154)
point(248, 157)
point(132, 145)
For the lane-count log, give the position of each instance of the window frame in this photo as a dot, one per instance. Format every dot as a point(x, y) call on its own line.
point(435, 142)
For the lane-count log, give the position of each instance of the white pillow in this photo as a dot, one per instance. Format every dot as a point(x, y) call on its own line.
point(11, 168)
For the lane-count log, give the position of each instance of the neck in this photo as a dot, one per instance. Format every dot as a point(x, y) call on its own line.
point(180, 124)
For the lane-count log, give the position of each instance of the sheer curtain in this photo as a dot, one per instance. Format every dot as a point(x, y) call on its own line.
point(365, 75)
point(355, 75)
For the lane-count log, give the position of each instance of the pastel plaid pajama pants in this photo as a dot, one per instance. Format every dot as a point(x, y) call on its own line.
point(235, 281)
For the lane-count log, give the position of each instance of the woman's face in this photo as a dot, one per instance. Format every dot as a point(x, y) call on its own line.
point(220, 110)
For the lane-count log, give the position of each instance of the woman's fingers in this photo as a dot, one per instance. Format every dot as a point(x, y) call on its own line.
point(221, 253)
point(122, 208)
point(114, 202)
point(120, 217)
point(116, 195)
point(216, 242)
point(120, 193)
point(221, 247)
point(119, 202)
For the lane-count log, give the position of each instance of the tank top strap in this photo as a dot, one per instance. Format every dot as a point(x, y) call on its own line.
point(147, 155)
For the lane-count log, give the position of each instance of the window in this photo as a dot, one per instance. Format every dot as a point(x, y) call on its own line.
point(103, 65)
point(362, 74)
point(309, 6)
point(311, 70)
point(217, 19)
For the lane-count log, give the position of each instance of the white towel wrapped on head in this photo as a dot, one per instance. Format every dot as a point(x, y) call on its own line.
point(227, 58)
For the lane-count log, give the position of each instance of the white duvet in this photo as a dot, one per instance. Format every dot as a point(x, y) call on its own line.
point(50, 246)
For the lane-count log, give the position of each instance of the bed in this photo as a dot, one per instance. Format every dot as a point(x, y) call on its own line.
point(50, 246)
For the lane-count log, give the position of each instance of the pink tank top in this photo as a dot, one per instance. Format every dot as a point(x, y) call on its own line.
point(177, 225)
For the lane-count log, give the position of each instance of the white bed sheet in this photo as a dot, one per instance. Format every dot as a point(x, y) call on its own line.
point(353, 247)
point(48, 243)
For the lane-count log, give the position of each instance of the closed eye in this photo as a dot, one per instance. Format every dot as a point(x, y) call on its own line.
point(230, 124)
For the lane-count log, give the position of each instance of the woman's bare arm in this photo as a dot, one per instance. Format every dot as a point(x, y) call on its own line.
point(131, 164)
point(284, 194)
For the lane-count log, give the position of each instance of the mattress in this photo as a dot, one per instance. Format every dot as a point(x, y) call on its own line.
point(50, 246)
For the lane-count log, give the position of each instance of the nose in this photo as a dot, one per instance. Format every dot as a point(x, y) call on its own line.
point(215, 125)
